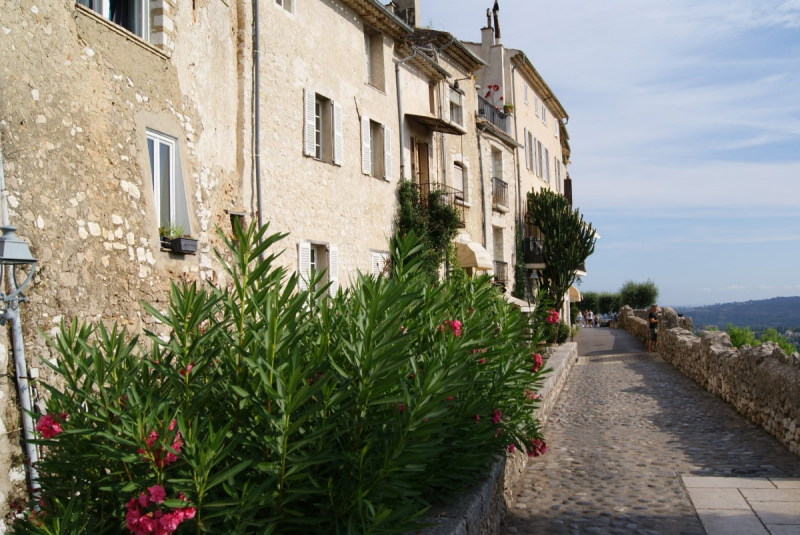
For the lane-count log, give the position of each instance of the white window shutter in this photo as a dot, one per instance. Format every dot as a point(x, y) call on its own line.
point(375, 260)
point(338, 135)
point(535, 164)
point(387, 153)
point(304, 264)
point(527, 146)
point(333, 269)
point(446, 106)
point(309, 140)
point(366, 146)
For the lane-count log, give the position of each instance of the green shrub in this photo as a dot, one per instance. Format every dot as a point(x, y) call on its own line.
point(772, 335)
point(741, 335)
point(269, 410)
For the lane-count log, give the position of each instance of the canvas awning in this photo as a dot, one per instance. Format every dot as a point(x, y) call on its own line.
point(523, 306)
point(473, 255)
point(436, 124)
point(574, 295)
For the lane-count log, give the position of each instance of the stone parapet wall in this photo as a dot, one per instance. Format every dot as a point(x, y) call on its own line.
point(761, 382)
point(483, 511)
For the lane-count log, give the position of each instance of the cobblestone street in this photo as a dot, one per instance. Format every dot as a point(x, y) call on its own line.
point(625, 427)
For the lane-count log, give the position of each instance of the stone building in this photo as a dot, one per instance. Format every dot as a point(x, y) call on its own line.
point(118, 119)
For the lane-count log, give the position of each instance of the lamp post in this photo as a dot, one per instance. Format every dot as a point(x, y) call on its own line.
point(15, 253)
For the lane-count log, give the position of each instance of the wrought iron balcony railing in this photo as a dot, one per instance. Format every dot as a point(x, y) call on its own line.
point(533, 250)
point(501, 272)
point(448, 197)
point(499, 193)
point(487, 110)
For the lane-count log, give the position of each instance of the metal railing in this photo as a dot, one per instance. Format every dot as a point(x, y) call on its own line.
point(533, 250)
point(448, 197)
point(487, 110)
point(499, 193)
point(500, 272)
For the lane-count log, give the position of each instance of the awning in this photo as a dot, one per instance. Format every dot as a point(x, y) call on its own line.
point(436, 124)
point(473, 255)
point(574, 295)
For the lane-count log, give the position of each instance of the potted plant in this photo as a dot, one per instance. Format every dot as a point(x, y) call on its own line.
point(508, 109)
point(173, 239)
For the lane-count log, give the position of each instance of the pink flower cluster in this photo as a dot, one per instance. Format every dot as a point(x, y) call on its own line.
point(455, 325)
point(496, 416)
point(531, 395)
point(161, 458)
point(537, 361)
point(188, 370)
point(145, 516)
point(50, 426)
point(552, 317)
point(538, 447)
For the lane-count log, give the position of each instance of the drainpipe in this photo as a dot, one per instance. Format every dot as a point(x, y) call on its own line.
point(401, 123)
point(483, 188)
point(257, 111)
point(516, 138)
point(18, 347)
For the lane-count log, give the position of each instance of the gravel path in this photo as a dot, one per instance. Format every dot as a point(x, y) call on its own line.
point(625, 426)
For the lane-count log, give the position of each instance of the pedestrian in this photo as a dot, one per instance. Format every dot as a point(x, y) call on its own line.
point(652, 320)
point(590, 318)
point(579, 319)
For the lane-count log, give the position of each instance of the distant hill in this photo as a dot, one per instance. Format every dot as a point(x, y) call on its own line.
point(776, 312)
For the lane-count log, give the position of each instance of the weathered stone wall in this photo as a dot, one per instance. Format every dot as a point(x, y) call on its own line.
point(762, 382)
point(483, 511)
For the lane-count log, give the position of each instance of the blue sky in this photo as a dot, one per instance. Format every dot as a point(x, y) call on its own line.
point(685, 134)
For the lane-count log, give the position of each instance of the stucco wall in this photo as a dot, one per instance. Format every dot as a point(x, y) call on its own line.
point(761, 382)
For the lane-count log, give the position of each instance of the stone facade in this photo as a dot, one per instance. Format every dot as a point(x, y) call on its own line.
point(761, 382)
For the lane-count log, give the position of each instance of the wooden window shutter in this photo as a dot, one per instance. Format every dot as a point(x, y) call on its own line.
point(333, 269)
point(527, 147)
point(309, 139)
point(387, 153)
point(338, 135)
point(304, 264)
point(366, 146)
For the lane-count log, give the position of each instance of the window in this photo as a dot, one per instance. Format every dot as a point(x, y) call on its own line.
point(536, 105)
point(459, 182)
point(373, 47)
point(379, 263)
point(133, 15)
point(555, 128)
point(288, 5)
point(544, 115)
point(432, 98)
point(320, 262)
point(167, 178)
point(497, 164)
point(558, 174)
point(526, 92)
point(456, 107)
point(376, 153)
point(323, 138)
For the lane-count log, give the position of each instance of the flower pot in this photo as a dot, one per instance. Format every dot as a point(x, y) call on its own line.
point(183, 245)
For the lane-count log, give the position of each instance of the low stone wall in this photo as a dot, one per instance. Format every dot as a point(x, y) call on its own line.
point(761, 382)
point(483, 511)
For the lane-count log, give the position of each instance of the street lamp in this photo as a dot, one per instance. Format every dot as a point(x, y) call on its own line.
point(14, 252)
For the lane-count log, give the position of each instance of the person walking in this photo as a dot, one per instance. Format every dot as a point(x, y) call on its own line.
point(590, 318)
point(652, 320)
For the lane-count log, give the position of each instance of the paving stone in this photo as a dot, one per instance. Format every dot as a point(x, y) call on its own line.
point(773, 495)
point(620, 435)
point(777, 512)
point(705, 498)
point(783, 530)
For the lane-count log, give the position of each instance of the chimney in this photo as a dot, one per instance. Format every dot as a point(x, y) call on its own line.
point(496, 13)
point(487, 33)
point(408, 10)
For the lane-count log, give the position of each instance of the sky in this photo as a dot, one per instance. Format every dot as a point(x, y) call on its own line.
point(684, 132)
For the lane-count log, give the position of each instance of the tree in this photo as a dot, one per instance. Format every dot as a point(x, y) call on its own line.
point(639, 294)
point(569, 241)
point(608, 302)
point(589, 301)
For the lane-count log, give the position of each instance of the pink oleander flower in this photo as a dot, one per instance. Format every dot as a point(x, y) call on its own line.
point(157, 493)
point(456, 326)
point(496, 416)
point(529, 394)
point(188, 370)
point(511, 448)
point(482, 361)
point(538, 447)
point(161, 458)
point(477, 418)
point(401, 407)
point(50, 426)
point(537, 362)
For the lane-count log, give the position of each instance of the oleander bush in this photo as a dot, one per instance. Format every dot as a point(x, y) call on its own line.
point(268, 409)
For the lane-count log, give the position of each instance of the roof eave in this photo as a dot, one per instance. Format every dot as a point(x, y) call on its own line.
point(521, 60)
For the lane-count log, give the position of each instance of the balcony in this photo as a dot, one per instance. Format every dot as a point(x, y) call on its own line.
point(501, 273)
point(448, 197)
point(499, 195)
point(533, 250)
point(489, 112)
